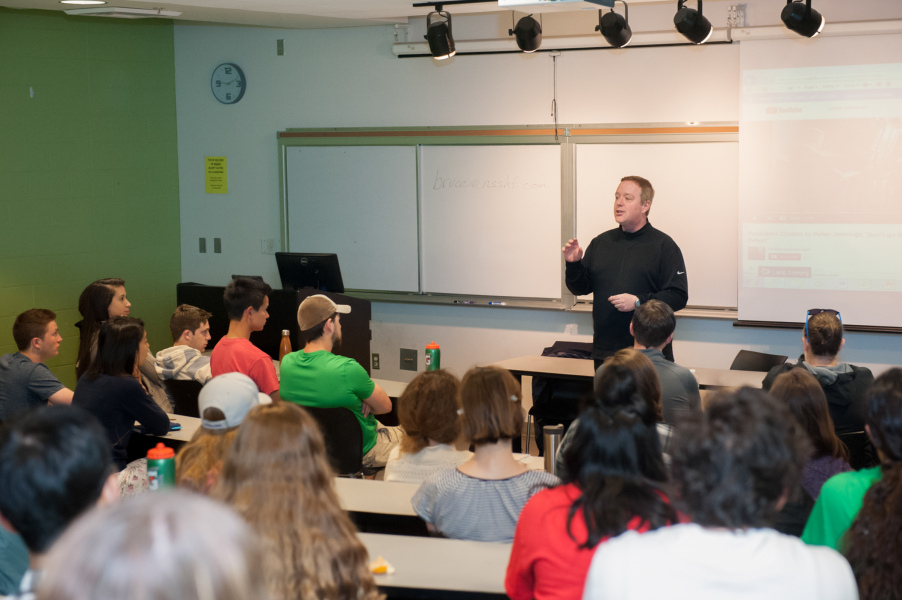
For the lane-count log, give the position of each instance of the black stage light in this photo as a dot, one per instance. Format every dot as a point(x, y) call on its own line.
point(614, 28)
point(438, 34)
point(692, 23)
point(528, 33)
point(802, 19)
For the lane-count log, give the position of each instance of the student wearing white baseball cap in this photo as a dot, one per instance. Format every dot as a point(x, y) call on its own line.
point(223, 403)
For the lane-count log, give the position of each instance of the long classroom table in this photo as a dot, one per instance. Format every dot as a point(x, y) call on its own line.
point(582, 369)
point(439, 568)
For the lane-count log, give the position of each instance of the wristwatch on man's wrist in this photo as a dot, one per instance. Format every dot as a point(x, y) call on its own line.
point(638, 303)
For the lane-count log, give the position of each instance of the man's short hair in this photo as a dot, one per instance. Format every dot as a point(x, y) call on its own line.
point(317, 332)
point(732, 463)
point(653, 322)
point(647, 191)
point(54, 462)
point(187, 317)
point(825, 334)
point(31, 324)
point(244, 292)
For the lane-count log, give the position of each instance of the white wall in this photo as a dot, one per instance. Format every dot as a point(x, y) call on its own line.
point(349, 78)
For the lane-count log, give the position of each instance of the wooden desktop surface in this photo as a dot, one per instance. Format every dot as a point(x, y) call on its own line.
point(437, 565)
point(580, 368)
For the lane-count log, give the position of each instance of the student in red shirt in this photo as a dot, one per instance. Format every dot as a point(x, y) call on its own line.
point(614, 479)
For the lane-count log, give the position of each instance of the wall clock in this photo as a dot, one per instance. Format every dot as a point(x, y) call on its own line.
point(228, 83)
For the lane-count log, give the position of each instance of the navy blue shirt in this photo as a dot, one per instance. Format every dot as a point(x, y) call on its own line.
point(118, 402)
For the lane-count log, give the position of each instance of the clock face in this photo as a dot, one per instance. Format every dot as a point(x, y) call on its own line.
point(228, 83)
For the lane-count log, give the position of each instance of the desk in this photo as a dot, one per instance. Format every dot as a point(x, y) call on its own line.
point(382, 497)
point(581, 369)
point(439, 568)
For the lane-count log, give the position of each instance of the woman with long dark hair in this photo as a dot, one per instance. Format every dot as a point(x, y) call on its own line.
point(614, 480)
point(101, 300)
point(277, 476)
point(805, 398)
point(873, 545)
point(111, 389)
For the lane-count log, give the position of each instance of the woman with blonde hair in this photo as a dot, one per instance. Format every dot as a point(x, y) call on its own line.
point(276, 475)
point(482, 498)
point(156, 547)
point(223, 403)
point(427, 411)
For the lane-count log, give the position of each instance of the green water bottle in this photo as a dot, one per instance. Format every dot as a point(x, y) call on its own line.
point(433, 357)
point(160, 467)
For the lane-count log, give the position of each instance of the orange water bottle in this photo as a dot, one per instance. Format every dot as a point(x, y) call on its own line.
point(285, 345)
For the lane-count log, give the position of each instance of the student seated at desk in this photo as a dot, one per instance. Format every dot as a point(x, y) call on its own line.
point(102, 300)
point(615, 481)
point(648, 390)
point(223, 403)
point(277, 476)
point(427, 411)
point(481, 500)
point(156, 547)
point(844, 385)
point(111, 390)
point(733, 466)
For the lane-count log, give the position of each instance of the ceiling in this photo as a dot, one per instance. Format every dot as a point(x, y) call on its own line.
point(301, 14)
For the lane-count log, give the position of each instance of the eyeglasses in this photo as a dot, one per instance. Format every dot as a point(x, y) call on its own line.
point(817, 311)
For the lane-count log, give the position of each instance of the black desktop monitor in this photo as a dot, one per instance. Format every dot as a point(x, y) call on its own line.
point(300, 270)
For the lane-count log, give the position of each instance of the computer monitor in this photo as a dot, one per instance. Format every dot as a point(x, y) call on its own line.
point(300, 270)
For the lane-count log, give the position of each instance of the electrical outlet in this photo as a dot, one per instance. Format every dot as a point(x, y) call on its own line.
point(408, 359)
point(217, 245)
point(375, 360)
point(268, 246)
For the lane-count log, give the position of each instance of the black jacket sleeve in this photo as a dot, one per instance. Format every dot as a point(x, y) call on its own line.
point(577, 278)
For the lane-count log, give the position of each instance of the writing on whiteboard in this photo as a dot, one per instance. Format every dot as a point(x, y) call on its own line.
point(510, 182)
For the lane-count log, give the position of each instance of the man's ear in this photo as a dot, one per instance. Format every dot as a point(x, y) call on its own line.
point(669, 339)
point(110, 491)
point(247, 312)
point(631, 329)
point(841, 344)
point(36, 343)
point(186, 334)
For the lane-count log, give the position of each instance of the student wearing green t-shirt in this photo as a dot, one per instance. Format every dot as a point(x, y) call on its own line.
point(842, 496)
point(870, 504)
point(316, 377)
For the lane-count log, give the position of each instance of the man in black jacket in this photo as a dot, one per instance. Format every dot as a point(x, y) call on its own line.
point(625, 267)
point(844, 385)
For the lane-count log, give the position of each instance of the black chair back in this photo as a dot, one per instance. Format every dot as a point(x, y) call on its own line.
point(862, 454)
point(749, 360)
point(184, 396)
point(343, 437)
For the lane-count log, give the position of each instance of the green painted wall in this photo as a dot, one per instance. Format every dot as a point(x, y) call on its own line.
point(88, 169)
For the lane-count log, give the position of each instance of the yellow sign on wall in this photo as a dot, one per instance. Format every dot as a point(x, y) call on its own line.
point(217, 175)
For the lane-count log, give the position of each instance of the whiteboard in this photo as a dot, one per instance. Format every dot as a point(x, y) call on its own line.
point(490, 220)
point(359, 202)
point(696, 198)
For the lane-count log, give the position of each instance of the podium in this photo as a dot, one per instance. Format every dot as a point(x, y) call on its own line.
point(283, 314)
